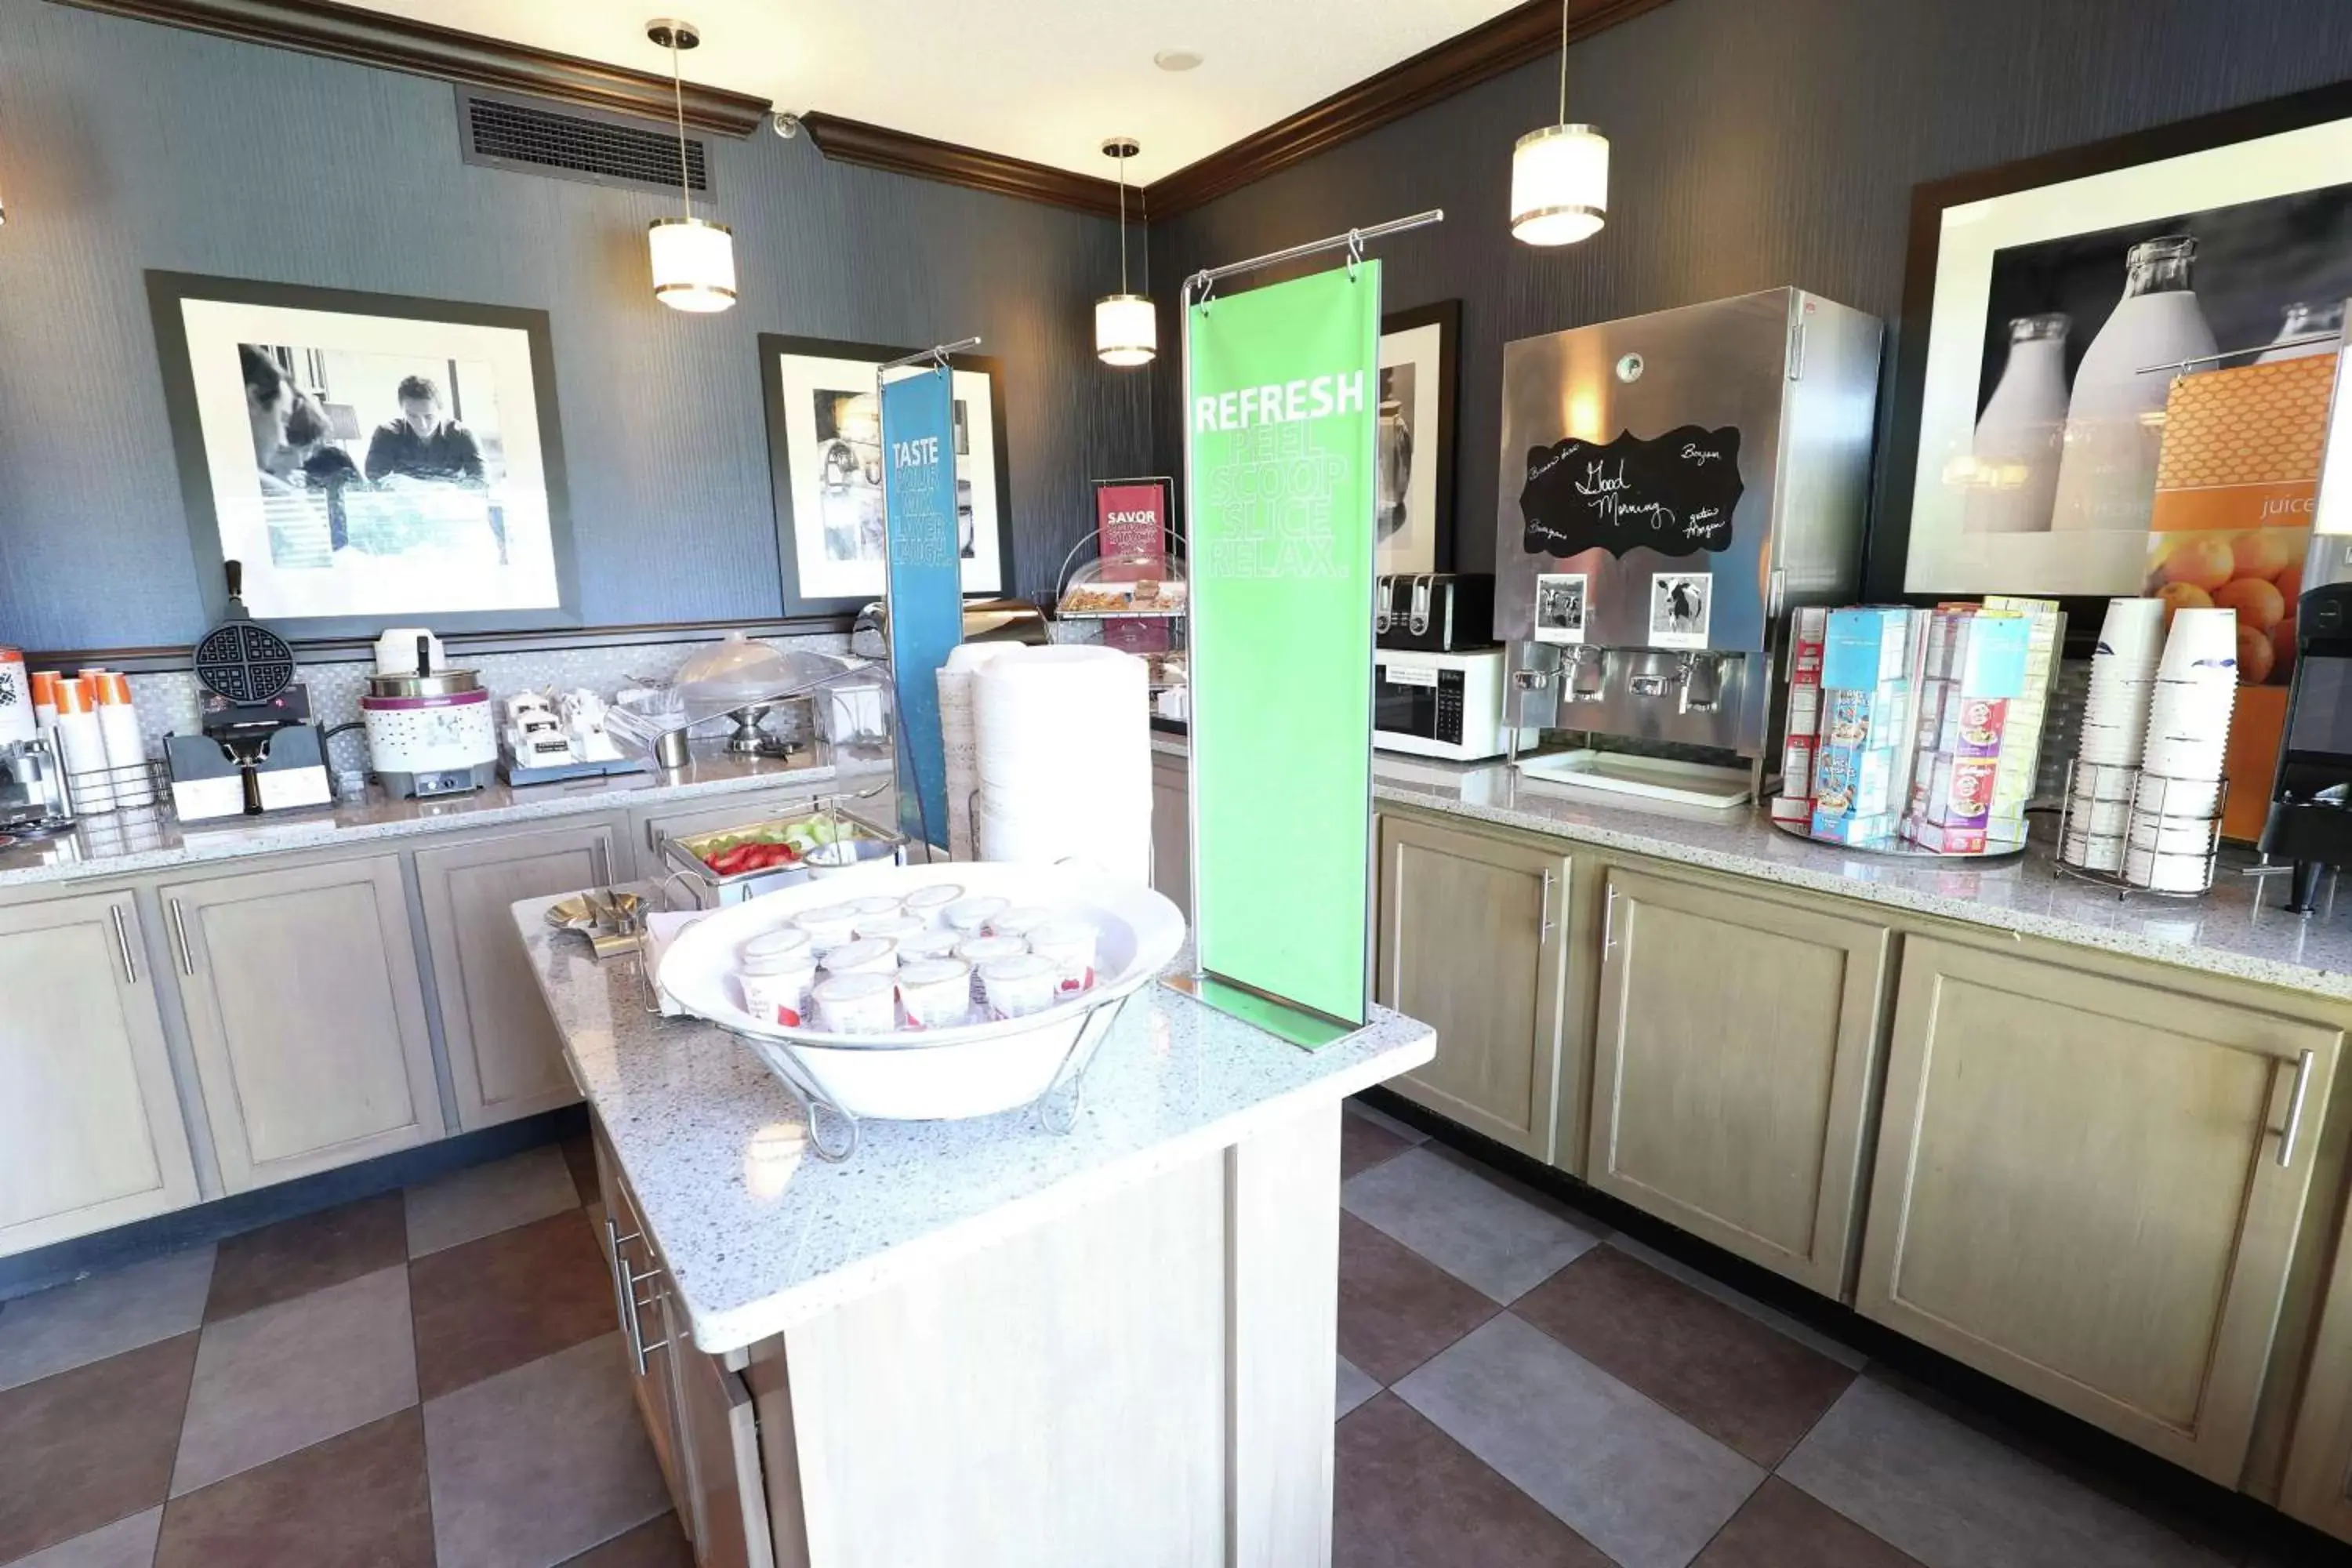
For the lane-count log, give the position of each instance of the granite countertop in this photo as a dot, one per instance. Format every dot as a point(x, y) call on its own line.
point(123, 843)
point(2237, 929)
point(758, 1233)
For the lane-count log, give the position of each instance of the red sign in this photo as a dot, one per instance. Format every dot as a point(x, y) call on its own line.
point(1131, 521)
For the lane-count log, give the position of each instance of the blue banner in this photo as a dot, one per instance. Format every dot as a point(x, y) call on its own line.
point(926, 586)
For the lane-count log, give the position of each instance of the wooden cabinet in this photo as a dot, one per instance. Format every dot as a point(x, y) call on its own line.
point(1732, 1067)
point(306, 1016)
point(696, 1409)
point(1171, 830)
point(505, 1058)
point(1472, 941)
point(89, 1122)
point(2089, 1185)
point(2317, 1487)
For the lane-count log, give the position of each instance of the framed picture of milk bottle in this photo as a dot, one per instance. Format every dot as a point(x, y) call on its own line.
point(2051, 305)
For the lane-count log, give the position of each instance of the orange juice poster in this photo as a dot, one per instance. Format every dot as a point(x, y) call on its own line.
point(2234, 490)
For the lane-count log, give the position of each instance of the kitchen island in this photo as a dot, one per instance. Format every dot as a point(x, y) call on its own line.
point(979, 1343)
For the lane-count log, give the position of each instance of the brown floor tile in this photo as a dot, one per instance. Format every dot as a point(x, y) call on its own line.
point(506, 1299)
point(1405, 1495)
point(657, 1544)
point(357, 1499)
point(579, 1153)
point(1742, 1382)
point(1780, 1527)
point(296, 1257)
point(1364, 1143)
point(1396, 1308)
point(88, 1446)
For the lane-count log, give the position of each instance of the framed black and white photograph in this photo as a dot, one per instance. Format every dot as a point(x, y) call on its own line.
point(1415, 527)
point(2051, 305)
point(1559, 606)
point(824, 451)
point(1681, 604)
point(367, 456)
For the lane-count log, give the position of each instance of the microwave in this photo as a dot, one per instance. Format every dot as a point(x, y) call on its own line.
point(1446, 705)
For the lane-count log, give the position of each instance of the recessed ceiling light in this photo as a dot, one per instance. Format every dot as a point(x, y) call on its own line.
point(1177, 60)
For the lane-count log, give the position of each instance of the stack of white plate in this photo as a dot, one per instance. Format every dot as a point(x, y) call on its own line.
point(960, 739)
point(2114, 732)
point(1064, 737)
point(2176, 811)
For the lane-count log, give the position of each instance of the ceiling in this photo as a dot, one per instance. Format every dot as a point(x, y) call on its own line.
point(1047, 80)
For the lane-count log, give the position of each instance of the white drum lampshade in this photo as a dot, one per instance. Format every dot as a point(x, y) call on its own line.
point(694, 263)
point(1127, 329)
point(1560, 185)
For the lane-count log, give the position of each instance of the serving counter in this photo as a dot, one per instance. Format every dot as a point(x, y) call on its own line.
point(979, 1342)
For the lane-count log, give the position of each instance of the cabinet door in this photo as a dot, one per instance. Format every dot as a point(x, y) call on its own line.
point(2089, 1187)
point(1171, 830)
point(722, 1444)
point(635, 1281)
point(1750, 1023)
point(89, 1122)
point(1472, 943)
point(307, 1017)
point(505, 1058)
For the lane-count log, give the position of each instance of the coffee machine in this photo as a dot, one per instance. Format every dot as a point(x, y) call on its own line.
point(2310, 822)
point(1673, 485)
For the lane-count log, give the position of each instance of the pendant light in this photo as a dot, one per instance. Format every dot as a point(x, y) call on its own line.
point(1559, 174)
point(694, 261)
point(1127, 328)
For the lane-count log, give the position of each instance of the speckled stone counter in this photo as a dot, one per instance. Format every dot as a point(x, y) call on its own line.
point(125, 843)
point(2237, 929)
point(759, 1235)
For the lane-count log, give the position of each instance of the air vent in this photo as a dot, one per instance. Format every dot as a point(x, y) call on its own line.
point(515, 134)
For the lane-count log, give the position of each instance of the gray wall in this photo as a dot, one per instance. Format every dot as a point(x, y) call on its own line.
point(1753, 143)
point(126, 146)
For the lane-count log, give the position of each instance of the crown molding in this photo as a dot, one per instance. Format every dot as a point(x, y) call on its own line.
point(879, 147)
point(395, 42)
point(1529, 32)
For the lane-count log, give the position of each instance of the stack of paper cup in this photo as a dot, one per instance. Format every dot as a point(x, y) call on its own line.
point(2115, 733)
point(1064, 740)
point(960, 741)
point(2176, 808)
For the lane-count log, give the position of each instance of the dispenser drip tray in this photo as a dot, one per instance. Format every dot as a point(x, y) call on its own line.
point(1621, 777)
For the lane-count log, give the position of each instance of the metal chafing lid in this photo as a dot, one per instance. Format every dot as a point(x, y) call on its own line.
point(440, 683)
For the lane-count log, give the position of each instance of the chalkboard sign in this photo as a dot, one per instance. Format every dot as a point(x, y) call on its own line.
point(1674, 493)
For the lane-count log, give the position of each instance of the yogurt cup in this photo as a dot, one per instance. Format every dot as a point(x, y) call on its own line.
point(867, 955)
point(829, 927)
point(763, 954)
point(939, 943)
point(874, 904)
point(936, 992)
point(859, 1003)
point(1069, 947)
point(1019, 985)
point(930, 904)
point(1019, 921)
point(779, 995)
point(980, 950)
point(891, 928)
point(970, 917)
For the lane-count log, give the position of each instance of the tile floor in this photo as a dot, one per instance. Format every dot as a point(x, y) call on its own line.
point(431, 1378)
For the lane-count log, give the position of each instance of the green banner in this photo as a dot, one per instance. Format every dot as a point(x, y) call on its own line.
point(1282, 388)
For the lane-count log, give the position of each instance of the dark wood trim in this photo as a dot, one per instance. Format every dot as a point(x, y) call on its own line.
point(879, 147)
point(395, 43)
point(339, 650)
point(1528, 32)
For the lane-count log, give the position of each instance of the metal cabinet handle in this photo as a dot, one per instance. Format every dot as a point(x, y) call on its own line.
point(626, 1281)
point(2303, 1065)
point(1609, 923)
point(600, 861)
point(179, 937)
point(1543, 911)
point(123, 945)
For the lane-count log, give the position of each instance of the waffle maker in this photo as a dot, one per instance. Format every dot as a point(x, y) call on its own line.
point(258, 750)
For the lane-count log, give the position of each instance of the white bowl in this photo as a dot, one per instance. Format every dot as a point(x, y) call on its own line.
point(978, 1070)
